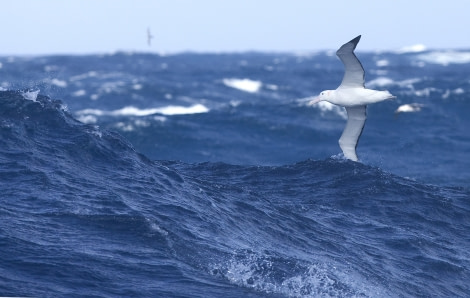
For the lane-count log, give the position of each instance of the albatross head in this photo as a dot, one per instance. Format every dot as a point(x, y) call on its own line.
point(326, 95)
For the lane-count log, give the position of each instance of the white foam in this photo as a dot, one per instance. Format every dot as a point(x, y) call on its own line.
point(89, 74)
point(311, 280)
point(325, 106)
point(445, 58)
point(246, 85)
point(235, 103)
point(426, 92)
point(179, 110)
point(382, 63)
point(409, 108)
point(408, 82)
point(159, 118)
point(125, 126)
point(133, 111)
point(137, 86)
point(78, 93)
point(88, 119)
point(380, 82)
point(110, 87)
point(142, 123)
point(168, 111)
point(95, 112)
point(30, 95)
point(450, 92)
point(412, 49)
point(59, 83)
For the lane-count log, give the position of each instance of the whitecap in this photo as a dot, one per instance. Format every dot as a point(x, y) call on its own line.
point(30, 95)
point(380, 82)
point(131, 126)
point(450, 92)
point(137, 86)
point(159, 118)
point(408, 83)
point(59, 83)
point(87, 119)
point(325, 106)
point(169, 110)
point(412, 49)
point(446, 58)
point(142, 123)
point(246, 85)
point(179, 110)
point(426, 92)
point(78, 93)
point(409, 108)
point(80, 77)
point(125, 126)
point(382, 63)
point(134, 111)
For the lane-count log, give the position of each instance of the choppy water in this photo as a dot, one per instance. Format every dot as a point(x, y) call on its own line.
point(204, 175)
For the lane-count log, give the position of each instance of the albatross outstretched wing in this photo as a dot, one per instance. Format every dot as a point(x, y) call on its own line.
point(353, 70)
point(348, 141)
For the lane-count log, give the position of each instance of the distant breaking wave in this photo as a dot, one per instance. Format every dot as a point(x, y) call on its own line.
point(84, 115)
point(246, 85)
point(446, 57)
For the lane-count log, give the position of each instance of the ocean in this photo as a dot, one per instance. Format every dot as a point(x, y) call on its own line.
point(210, 175)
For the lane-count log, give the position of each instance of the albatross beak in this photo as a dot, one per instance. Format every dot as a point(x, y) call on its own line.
point(314, 101)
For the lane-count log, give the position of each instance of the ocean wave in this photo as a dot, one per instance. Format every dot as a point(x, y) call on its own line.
point(317, 227)
point(382, 63)
point(246, 85)
point(30, 94)
point(134, 111)
point(81, 197)
point(416, 48)
point(445, 58)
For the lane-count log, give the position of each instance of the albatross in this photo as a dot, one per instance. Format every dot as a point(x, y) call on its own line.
point(352, 95)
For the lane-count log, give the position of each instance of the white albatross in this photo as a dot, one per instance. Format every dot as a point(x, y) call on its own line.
point(352, 95)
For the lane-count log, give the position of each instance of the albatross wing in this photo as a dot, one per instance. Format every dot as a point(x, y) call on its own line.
point(354, 72)
point(352, 131)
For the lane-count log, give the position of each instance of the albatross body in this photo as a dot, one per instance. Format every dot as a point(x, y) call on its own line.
point(352, 95)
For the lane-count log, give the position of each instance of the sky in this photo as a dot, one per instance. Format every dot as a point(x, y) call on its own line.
point(44, 27)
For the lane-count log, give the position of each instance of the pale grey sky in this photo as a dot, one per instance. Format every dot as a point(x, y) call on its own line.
point(104, 26)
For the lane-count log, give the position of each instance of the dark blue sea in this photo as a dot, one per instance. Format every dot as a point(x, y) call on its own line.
point(210, 175)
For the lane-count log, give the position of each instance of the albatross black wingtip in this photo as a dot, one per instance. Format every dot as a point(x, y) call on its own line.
point(355, 40)
point(349, 46)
